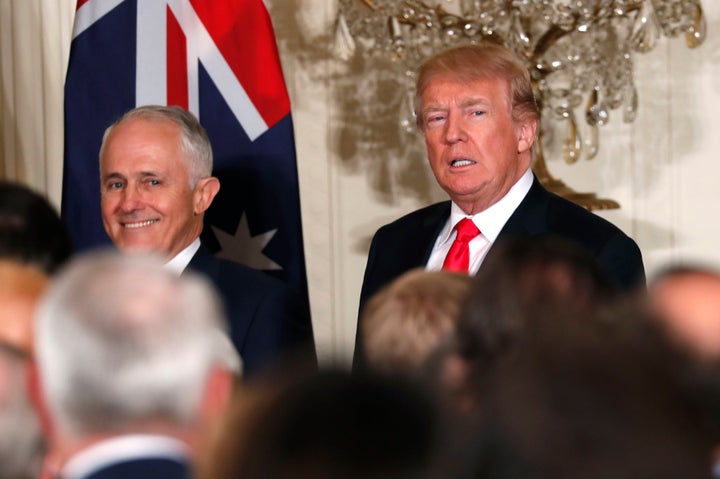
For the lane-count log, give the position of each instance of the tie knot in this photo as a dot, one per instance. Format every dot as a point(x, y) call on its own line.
point(466, 229)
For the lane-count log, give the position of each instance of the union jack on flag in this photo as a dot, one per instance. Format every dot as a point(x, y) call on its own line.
point(219, 60)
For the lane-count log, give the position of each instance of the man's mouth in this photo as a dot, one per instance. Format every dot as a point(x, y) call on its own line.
point(139, 224)
point(461, 162)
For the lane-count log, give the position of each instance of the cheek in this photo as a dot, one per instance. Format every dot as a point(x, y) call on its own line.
point(107, 205)
point(434, 148)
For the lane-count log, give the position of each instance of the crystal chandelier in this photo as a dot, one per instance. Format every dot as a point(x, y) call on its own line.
point(579, 53)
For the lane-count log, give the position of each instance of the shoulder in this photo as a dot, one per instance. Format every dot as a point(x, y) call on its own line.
point(429, 216)
point(543, 212)
point(229, 275)
point(571, 220)
point(548, 214)
point(156, 468)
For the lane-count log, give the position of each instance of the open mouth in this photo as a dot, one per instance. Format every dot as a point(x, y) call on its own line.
point(139, 224)
point(461, 162)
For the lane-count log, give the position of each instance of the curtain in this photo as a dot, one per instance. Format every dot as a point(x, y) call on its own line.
point(35, 40)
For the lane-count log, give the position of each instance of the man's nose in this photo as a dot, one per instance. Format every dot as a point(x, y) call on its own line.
point(131, 200)
point(455, 129)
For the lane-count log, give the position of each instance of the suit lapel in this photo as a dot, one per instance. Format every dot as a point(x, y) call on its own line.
point(530, 217)
point(428, 232)
point(203, 261)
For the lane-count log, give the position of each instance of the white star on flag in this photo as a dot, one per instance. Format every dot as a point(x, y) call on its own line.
point(244, 248)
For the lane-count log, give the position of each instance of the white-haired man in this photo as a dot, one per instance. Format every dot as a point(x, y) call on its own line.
point(133, 367)
point(156, 184)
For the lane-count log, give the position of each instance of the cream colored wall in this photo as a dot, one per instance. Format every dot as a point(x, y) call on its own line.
point(358, 172)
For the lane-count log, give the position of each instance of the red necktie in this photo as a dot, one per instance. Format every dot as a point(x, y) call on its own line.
point(458, 258)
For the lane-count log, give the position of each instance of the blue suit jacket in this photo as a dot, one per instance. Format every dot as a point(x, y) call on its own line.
point(142, 468)
point(407, 242)
point(267, 321)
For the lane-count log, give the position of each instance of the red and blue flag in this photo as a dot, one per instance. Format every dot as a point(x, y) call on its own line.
point(219, 60)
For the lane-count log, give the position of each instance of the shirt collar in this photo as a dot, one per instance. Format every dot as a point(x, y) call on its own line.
point(120, 449)
point(178, 264)
point(491, 220)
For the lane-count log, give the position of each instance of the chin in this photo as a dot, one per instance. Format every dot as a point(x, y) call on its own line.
point(138, 248)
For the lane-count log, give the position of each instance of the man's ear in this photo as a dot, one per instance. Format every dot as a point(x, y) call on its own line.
point(216, 396)
point(204, 194)
point(526, 134)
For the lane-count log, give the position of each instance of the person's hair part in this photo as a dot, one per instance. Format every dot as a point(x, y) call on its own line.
point(120, 340)
point(483, 61)
point(194, 141)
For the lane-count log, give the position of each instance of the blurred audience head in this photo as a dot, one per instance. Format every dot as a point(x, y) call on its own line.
point(408, 320)
point(30, 228)
point(581, 398)
point(330, 425)
point(21, 443)
point(124, 346)
point(521, 278)
point(687, 301)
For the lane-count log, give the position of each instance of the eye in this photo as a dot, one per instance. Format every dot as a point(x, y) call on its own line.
point(434, 119)
point(153, 182)
point(478, 113)
point(115, 185)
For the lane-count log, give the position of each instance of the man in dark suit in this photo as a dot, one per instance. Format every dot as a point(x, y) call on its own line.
point(134, 369)
point(156, 184)
point(475, 107)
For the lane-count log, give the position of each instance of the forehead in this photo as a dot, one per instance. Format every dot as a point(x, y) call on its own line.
point(443, 90)
point(141, 142)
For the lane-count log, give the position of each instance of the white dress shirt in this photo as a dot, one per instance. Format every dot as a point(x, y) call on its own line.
point(490, 222)
point(178, 264)
point(120, 449)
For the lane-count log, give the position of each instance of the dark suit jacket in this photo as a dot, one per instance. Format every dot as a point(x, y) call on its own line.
point(267, 321)
point(407, 242)
point(143, 468)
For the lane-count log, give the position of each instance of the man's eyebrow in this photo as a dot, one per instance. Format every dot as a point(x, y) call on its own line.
point(141, 174)
point(113, 175)
point(464, 103)
point(474, 102)
point(434, 107)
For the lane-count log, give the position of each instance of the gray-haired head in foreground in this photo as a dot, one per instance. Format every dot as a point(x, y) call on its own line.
point(194, 141)
point(120, 341)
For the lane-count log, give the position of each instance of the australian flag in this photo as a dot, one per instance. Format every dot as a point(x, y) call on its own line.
point(219, 60)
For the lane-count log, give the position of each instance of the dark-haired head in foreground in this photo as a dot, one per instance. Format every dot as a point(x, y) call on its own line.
point(330, 425)
point(31, 230)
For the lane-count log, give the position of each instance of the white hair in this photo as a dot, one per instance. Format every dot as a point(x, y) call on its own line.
point(120, 340)
point(194, 141)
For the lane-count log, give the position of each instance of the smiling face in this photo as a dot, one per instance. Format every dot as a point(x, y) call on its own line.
point(147, 202)
point(475, 149)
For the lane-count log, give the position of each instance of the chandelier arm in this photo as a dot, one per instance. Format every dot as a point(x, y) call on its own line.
point(549, 38)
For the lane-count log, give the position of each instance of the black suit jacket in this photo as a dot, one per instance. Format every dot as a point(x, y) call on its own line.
point(142, 468)
point(267, 320)
point(407, 242)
